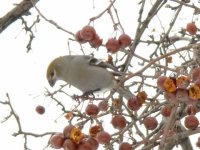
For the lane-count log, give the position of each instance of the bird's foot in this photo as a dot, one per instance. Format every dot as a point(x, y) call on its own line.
point(86, 95)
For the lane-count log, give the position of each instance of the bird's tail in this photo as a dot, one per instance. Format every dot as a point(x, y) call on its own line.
point(126, 93)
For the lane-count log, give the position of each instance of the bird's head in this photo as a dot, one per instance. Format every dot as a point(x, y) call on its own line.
point(51, 74)
point(58, 69)
point(54, 70)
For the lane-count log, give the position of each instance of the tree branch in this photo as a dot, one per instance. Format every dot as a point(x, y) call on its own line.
point(17, 12)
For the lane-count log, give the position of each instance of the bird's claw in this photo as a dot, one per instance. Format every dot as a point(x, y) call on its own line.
point(85, 96)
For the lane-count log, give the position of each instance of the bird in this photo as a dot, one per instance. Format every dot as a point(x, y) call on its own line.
point(84, 72)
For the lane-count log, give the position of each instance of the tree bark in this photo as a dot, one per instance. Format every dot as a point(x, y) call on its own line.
point(14, 14)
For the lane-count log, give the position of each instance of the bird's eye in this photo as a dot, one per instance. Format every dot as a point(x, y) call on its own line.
point(52, 74)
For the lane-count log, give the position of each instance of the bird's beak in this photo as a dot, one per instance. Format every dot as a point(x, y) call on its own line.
point(52, 82)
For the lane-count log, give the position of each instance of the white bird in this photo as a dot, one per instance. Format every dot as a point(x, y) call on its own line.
point(86, 73)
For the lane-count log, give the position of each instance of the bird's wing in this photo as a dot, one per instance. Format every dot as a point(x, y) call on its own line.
point(97, 62)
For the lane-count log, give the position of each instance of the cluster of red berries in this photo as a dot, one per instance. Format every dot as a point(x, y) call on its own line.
point(191, 121)
point(179, 89)
point(118, 121)
point(113, 45)
point(92, 110)
point(72, 138)
point(135, 103)
point(88, 34)
point(182, 90)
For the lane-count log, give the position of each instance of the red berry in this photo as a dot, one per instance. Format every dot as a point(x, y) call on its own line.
point(67, 130)
point(169, 84)
point(112, 45)
point(124, 40)
point(191, 122)
point(40, 109)
point(79, 38)
point(93, 142)
point(92, 110)
point(191, 28)
point(150, 123)
point(117, 103)
point(182, 95)
point(166, 111)
point(94, 130)
point(161, 81)
point(194, 92)
point(119, 122)
point(197, 82)
point(182, 82)
point(103, 137)
point(57, 140)
point(96, 42)
point(69, 145)
point(103, 105)
point(125, 146)
point(191, 109)
point(196, 74)
point(84, 145)
point(134, 104)
point(88, 33)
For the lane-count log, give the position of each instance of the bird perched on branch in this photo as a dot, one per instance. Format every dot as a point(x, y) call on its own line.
point(86, 73)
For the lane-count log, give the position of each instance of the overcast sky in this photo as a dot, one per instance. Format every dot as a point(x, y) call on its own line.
point(23, 74)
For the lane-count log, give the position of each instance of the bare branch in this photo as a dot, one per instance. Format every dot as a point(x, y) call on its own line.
point(17, 12)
